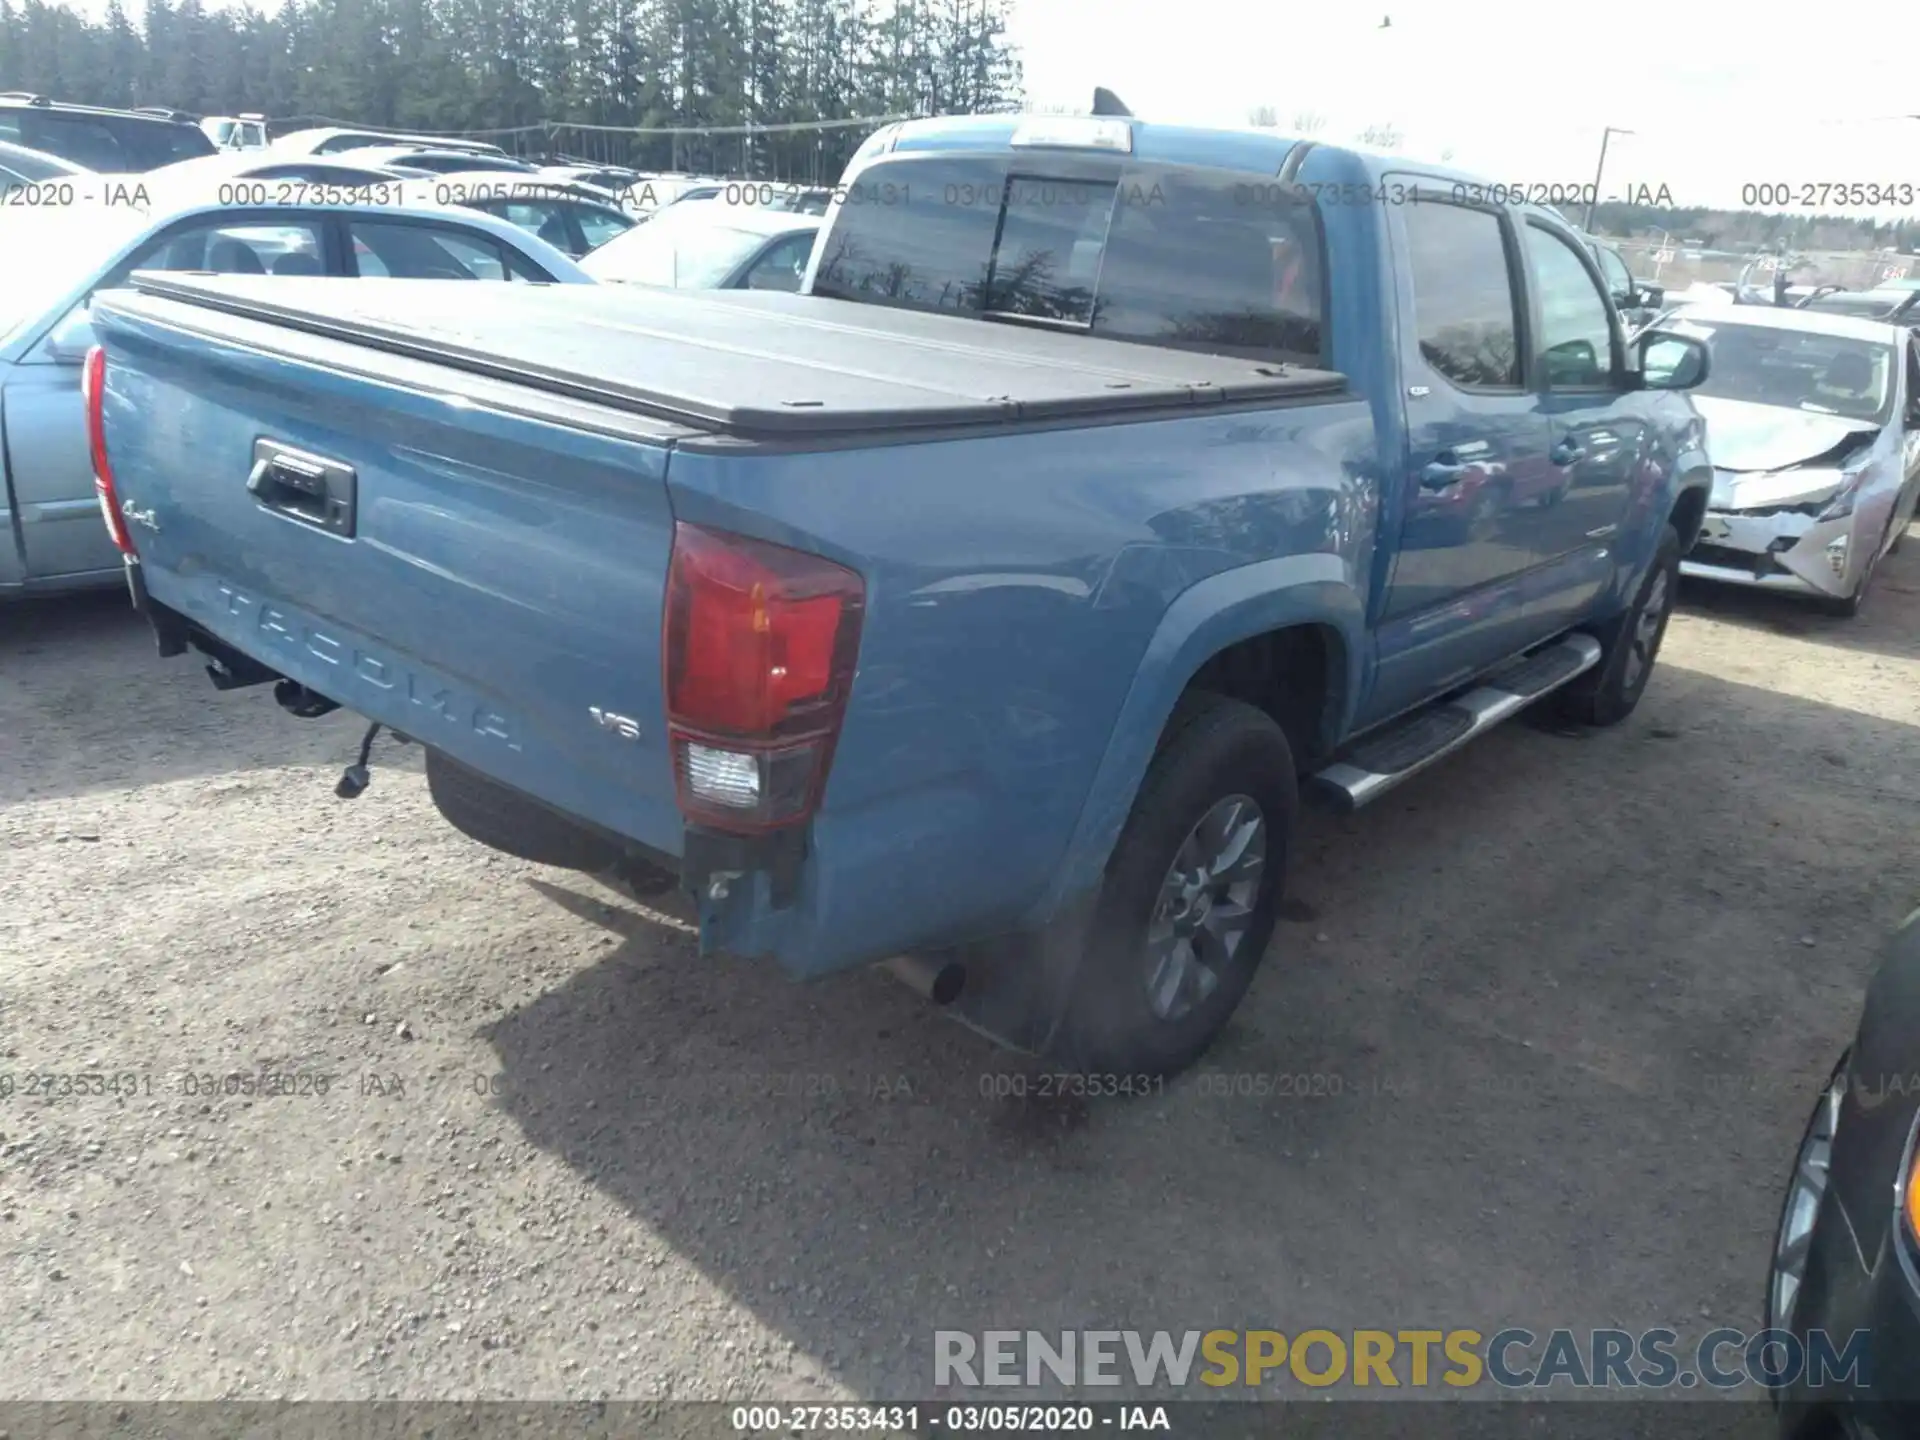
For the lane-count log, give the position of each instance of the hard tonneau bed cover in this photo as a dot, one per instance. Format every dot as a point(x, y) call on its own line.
point(765, 364)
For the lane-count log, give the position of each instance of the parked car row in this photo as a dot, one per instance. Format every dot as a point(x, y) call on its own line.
point(304, 218)
point(56, 540)
point(1813, 423)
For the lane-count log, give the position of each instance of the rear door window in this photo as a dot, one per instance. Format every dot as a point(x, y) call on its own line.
point(597, 226)
point(392, 248)
point(238, 248)
point(72, 137)
point(1156, 255)
point(782, 267)
point(1463, 294)
point(544, 218)
point(112, 143)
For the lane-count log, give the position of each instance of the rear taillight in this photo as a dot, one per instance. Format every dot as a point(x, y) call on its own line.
point(93, 378)
point(758, 650)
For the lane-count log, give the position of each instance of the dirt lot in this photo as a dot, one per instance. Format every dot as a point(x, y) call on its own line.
point(1564, 1002)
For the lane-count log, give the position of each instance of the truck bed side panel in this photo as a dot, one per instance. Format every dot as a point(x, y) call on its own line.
point(1015, 586)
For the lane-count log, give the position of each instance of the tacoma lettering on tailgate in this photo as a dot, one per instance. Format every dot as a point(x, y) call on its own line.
point(286, 631)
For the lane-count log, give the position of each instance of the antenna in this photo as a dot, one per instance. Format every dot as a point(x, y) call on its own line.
point(1105, 102)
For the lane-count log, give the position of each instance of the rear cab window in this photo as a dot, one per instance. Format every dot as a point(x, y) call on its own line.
point(1172, 256)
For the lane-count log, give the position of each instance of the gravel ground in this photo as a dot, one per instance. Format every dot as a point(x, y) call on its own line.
point(1564, 1002)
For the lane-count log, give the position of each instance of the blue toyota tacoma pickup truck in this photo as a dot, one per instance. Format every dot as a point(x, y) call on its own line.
point(989, 603)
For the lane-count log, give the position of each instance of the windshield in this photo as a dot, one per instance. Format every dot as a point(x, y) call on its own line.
point(1819, 374)
point(685, 250)
point(61, 249)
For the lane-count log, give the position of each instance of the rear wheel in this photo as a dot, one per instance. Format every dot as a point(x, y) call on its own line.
point(1607, 694)
point(1191, 894)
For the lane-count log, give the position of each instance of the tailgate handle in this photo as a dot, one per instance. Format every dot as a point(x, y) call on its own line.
point(303, 487)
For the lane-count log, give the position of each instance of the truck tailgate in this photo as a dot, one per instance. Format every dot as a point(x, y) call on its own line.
point(480, 579)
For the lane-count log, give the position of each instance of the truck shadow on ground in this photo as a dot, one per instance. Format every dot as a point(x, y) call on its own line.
point(1532, 1049)
point(1884, 625)
point(88, 704)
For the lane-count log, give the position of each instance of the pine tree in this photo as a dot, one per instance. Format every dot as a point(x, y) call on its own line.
point(454, 65)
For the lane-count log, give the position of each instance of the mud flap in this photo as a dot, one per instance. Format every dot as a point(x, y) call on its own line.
point(1019, 987)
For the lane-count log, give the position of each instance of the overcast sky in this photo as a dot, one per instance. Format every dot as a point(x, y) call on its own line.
point(1720, 94)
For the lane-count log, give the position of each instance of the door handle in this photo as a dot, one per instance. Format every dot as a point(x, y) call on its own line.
point(1567, 452)
point(1442, 474)
point(317, 492)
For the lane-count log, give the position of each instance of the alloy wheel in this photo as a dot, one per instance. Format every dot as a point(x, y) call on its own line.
point(1205, 906)
point(1807, 1188)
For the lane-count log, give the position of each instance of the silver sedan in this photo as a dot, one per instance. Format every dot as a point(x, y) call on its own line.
point(1813, 424)
point(53, 259)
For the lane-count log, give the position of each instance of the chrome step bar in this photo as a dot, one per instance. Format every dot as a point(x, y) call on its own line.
point(1350, 783)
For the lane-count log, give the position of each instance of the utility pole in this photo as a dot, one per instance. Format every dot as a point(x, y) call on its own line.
point(1598, 170)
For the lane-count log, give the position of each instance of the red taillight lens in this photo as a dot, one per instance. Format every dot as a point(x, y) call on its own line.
point(93, 385)
point(759, 650)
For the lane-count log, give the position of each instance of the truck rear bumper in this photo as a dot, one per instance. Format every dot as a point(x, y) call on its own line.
point(511, 819)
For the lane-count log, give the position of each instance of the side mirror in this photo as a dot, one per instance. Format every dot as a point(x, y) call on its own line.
point(1671, 362)
point(1650, 297)
point(70, 340)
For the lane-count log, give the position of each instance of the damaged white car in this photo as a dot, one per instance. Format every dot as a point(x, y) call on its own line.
point(1813, 425)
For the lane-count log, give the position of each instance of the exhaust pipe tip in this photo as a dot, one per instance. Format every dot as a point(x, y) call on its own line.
point(940, 981)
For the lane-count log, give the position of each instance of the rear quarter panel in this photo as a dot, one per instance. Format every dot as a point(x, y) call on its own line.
point(1023, 593)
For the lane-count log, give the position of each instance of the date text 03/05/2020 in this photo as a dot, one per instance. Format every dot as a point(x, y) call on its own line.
point(959, 1419)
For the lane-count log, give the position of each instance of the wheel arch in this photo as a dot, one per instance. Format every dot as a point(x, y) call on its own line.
point(1689, 510)
point(1294, 608)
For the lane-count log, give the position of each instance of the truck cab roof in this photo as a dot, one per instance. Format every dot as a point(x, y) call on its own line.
point(1264, 152)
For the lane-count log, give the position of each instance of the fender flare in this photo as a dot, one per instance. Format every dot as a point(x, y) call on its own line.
point(1203, 620)
point(1692, 470)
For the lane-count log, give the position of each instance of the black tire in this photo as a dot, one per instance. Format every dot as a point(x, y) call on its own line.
point(504, 819)
point(1216, 750)
point(1608, 693)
